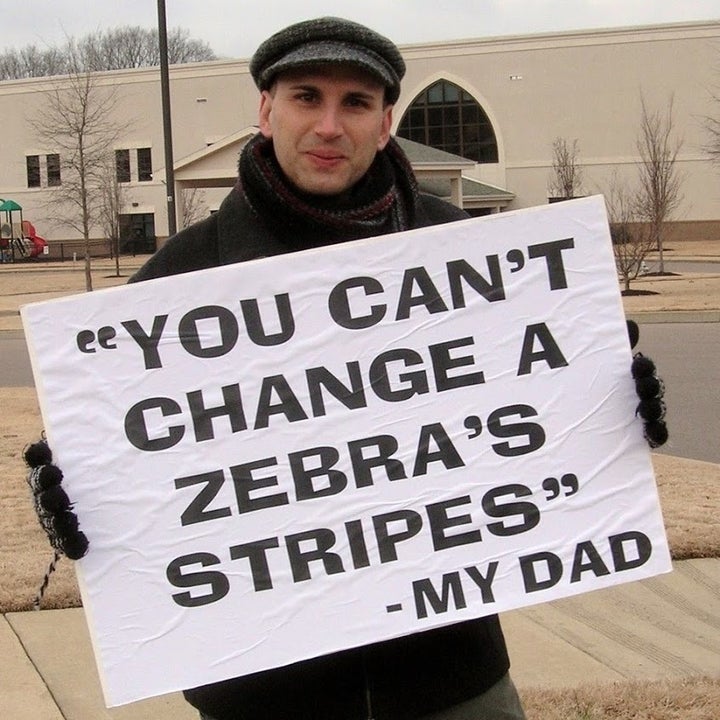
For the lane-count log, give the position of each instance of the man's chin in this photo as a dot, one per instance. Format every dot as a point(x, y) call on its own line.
point(324, 187)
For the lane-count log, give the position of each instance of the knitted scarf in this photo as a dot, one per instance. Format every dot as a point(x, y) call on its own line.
point(384, 201)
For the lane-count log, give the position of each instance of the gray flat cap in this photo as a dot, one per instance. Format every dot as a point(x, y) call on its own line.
point(329, 40)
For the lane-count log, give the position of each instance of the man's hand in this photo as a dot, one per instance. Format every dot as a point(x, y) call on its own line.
point(650, 389)
point(52, 505)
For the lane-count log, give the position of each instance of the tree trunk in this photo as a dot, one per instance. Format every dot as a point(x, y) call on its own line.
point(660, 251)
point(88, 273)
point(88, 269)
point(116, 249)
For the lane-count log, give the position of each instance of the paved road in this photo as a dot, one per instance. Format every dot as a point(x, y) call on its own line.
point(687, 355)
point(688, 360)
point(15, 370)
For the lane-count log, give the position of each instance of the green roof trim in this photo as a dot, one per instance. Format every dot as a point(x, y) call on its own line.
point(419, 153)
point(471, 189)
point(8, 205)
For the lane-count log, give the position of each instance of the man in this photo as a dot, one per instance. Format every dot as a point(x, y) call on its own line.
point(324, 169)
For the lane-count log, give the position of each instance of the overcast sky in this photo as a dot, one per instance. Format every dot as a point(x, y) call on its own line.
point(233, 28)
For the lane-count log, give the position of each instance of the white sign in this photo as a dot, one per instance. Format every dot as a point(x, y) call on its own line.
point(285, 458)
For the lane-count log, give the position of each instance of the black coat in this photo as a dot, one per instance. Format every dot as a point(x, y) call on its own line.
point(398, 679)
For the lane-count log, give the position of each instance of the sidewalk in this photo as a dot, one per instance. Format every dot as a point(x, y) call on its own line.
point(666, 627)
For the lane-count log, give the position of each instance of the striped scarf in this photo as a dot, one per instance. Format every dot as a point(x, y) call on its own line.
point(384, 201)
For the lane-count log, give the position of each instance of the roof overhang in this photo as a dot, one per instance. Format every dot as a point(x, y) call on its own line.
point(438, 173)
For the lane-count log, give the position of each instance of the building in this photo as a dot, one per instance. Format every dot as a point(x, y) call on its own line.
point(489, 109)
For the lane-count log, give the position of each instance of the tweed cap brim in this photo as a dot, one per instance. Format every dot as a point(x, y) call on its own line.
point(329, 53)
point(329, 41)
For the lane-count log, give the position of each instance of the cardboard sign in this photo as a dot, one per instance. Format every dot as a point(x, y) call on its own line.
point(285, 458)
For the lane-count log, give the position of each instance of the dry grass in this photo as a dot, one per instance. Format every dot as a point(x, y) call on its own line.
point(690, 503)
point(25, 552)
point(686, 699)
point(27, 283)
point(688, 291)
point(694, 249)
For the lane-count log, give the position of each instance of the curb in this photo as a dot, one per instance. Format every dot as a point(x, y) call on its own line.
point(674, 316)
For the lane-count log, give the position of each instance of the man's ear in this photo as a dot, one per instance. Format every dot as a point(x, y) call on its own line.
point(385, 128)
point(264, 114)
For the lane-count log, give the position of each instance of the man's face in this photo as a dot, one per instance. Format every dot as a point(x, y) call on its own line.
point(326, 124)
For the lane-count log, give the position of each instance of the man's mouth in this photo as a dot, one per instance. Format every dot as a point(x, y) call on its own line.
point(325, 156)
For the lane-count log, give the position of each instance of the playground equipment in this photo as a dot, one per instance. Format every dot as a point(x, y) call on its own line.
point(38, 244)
point(18, 239)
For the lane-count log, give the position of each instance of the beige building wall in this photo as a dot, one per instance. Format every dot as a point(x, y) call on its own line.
point(585, 86)
point(581, 85)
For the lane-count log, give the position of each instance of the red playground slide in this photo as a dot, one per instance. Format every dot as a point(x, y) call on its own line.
point(37, 242)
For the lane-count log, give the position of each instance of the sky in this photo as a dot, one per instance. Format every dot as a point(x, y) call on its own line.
point(234, 28)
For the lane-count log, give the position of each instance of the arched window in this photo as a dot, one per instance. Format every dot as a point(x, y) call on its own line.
point(446, 117)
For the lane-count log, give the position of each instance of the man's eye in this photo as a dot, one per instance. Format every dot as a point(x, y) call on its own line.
point(357, 102)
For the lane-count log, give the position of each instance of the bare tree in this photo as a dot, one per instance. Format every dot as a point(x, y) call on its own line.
point(660, 182)
point(567, 176)
point(184, 49)
point(631, 239)
point(77, 123)
point(114, 49)
point(712, 125)
point(193, 206)
point(134, 47)
point(111, 202)
point(31, 61)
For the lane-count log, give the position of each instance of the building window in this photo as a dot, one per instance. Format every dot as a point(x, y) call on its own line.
point(32, 163)
point(144, 161)
point(53, 170)
point(446, 117)
point(122, 166)
point(137, 233)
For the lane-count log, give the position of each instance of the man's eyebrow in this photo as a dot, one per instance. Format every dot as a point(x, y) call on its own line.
point(304, 86)
point(360, 94)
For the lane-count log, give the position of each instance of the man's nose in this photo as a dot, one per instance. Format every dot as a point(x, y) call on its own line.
point(328, 124)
